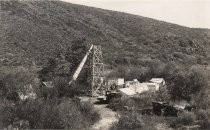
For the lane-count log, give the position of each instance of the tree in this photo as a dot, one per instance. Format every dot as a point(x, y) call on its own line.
point(76, 52)
point(185, 83)
point(47, 73)
point(12, 83)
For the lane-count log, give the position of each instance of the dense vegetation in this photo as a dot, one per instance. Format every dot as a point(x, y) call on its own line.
point(56, 107)
point(49, 114)
point(34, 31)
point(45, 41)
point(182, 84)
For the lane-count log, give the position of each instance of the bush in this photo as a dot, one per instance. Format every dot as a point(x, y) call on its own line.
point(61, 89)
point(76, 115)
point(204, 124)
point(128, 121)
point(203, 118)
point(142, 101)
point(7, 114)
point(88, 111)
point(182, 85)
point(51, 114)
point(162, 95)
point(187, 118)
point(133, 120)
point(14, 81)
point(202, 114)
point(118, 104)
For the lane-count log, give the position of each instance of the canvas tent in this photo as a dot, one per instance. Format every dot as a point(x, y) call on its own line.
point(127, 91)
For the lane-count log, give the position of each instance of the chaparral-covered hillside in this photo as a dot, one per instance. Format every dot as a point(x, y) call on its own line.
point(43, 42)
point(34, 31)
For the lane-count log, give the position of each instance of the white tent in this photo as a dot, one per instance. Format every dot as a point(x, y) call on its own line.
point(127, 91)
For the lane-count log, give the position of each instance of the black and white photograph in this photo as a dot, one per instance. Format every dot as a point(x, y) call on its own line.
point(105, 64)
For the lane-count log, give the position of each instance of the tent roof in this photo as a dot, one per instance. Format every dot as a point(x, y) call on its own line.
point(157, 80)
point(127, 91)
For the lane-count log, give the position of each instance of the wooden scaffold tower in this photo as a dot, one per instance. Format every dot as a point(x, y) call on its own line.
point(96, 67)
point(97, 74)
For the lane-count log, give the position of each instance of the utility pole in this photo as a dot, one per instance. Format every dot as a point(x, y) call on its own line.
point(97, 81)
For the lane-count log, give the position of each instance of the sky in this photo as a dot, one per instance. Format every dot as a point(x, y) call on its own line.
point(190, 13)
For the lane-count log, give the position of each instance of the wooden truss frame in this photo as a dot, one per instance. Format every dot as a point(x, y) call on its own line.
point(97, 67)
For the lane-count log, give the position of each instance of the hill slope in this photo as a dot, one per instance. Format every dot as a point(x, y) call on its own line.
point(33, 31)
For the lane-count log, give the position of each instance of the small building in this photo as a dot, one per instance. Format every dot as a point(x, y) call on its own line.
point(159, 81)
point(151, 87)
point(131, 83)
point(143, 87)
point(138, 87)
point(135, 87)
point(116, 81)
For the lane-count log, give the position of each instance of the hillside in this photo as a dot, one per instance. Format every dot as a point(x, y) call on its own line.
point(33, 31)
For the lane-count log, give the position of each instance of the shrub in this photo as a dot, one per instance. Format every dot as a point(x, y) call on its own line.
point(133, 120)
point(88, 111)
point(203, 118)
point(204, 124)
point(61, 89)
point(187, 118)
point(7, 114)
point(13, 82)
point(51, 114)
point(162, 95)
point(128, 121)
point(202, 114)
point(183, 84)
point(142, 101)
point(117, 104)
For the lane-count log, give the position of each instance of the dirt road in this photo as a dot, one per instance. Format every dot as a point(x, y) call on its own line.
point(108, 117)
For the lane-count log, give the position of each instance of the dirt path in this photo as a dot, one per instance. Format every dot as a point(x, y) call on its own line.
point(108, 117)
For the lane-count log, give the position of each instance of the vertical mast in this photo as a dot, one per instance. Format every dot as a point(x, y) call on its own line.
point(97, 83)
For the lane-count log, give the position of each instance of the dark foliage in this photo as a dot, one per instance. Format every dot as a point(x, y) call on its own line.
point(186, 83)
point(33, 31)
point(50, 114)
point(129, 121)
point(12, 83)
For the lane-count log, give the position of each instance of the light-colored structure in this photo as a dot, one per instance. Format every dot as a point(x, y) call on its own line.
point(130, 83)
point(159, 81)
point(116, 81)
point(151, 86)
point(127, 92)
point(143, 87)
point(135, 87)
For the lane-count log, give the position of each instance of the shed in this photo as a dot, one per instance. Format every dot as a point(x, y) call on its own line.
point(116, 81)
point(142, 87)
point(160, 82)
